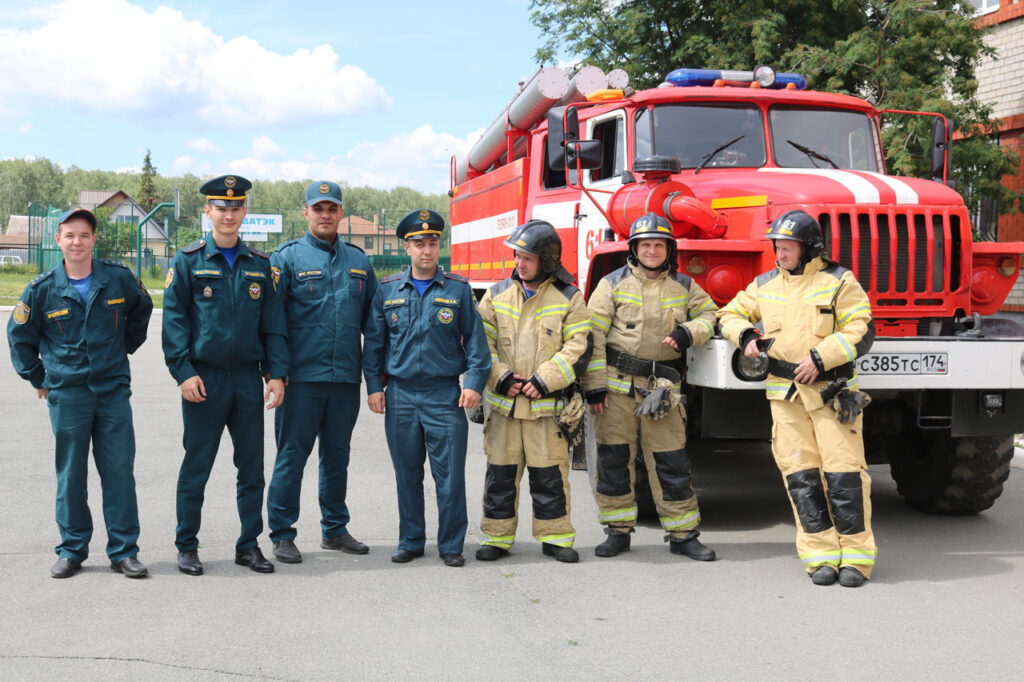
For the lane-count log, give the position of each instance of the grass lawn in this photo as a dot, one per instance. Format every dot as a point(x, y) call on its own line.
point(12, 284)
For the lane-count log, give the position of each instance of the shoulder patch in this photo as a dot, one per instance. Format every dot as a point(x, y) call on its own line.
point(566, 290)
point(355, 247)
point(115, 262)
point(257, 252)
point(766, 277)
point(194, 246)
point(501, 286)
point(835, 270)
point(685, 280)
point(452, 275)
point(616, 276)
point(392, 277)
point(40, 277)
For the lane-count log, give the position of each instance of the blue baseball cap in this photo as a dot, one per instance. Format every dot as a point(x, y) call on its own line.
point(78, 213)
point(323, 190)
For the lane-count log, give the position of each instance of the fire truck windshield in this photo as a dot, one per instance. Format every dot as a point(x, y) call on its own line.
point(822, 138)
point(692, 132)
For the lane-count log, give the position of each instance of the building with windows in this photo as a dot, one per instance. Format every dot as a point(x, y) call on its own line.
point(1000, 84)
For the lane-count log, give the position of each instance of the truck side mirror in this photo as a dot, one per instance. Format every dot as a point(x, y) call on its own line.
point(558, 137)
point(587, 152)
point(941, 151)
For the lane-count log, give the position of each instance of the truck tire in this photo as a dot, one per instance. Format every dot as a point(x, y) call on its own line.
point(945, 475)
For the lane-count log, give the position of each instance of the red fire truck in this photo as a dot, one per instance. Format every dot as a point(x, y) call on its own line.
point(721, 154)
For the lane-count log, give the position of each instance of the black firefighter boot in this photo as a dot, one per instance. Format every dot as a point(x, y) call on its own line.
point(615, 544)
point(691, 547)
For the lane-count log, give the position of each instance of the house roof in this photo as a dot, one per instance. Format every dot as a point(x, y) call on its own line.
point(17, 224)
point(361, 226)
point(94, 198)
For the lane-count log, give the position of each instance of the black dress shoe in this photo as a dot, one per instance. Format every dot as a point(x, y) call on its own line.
point(693, 548)
point(131, 567)
point(287, 552)
point(189, 563)
point(345, 543)
point(614, 545)
point(404, 556)
point(65, 568)
point(851, 577)
point(567, 555)
point(824, 575)
point(254, 559)
point(490, 553)
point(453, 560)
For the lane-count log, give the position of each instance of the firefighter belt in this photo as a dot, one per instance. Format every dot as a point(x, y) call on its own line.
point(822, 464)
point(663, 444)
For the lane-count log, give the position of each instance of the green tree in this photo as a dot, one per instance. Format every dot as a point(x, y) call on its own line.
point(113, 238)
point(897, 54)
point(147, 184)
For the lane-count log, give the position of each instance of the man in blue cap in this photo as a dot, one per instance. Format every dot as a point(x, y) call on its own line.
point(224, 328)
point(70, 335)
point(425, 332)
point(327, 287)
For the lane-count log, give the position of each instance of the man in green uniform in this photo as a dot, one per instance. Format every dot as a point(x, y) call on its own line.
point(224, 328)
point(70, 336)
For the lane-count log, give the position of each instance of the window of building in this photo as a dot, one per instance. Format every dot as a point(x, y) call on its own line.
point(985, 6)
point(368, 243)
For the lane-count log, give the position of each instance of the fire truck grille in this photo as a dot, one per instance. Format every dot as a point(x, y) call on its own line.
point(912, 253)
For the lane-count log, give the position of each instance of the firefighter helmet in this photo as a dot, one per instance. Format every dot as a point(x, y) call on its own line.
point(652, 226)
point(798, 226)
point(539, 238)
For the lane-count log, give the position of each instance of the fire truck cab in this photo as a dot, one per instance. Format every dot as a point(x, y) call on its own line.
point(721, 154)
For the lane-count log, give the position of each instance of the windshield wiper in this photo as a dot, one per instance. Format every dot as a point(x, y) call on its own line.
point(706, 159)
point(813, 154)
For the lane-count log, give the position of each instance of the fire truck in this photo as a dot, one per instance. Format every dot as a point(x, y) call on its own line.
point(721, 154)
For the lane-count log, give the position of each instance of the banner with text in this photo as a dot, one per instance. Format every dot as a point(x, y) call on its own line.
point(255, 226)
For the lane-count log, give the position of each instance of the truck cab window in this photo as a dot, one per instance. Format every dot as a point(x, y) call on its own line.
point(611, 133)
point(691, 132)
point(822, 138)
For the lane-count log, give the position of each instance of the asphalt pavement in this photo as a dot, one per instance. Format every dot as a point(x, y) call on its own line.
point(945, 603)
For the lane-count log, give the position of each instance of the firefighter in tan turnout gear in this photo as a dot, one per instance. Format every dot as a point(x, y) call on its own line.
point(538, 329)
point(817, 321)
point(644, 316)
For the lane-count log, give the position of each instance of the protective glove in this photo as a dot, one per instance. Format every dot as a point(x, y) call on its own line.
point(682, 337)
point(848, 404)
point(657, 401)
point(597, 396)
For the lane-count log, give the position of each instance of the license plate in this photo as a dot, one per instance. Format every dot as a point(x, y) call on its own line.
point(903, 363)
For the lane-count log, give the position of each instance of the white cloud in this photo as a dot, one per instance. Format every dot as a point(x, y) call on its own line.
point(110, 55)
point(26, 127)
point(203, 146)
point(419, 159)
point(265, 149)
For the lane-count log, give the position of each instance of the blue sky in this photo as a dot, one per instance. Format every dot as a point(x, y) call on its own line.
point(375, 93)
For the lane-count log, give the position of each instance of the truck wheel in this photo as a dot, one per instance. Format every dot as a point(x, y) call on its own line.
point(944, 475)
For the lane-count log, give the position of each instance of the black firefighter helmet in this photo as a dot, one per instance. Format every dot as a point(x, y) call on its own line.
point(652, 226)
point(799, 226)
point(539, 238)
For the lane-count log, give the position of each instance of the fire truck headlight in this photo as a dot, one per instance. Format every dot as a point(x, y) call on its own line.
point(1007, 266)
point(723, 282)
point(695, 265)
point(765, 76)
point(749, 369)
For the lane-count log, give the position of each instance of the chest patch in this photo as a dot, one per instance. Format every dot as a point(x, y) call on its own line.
point(445, 315)
point(255, 291)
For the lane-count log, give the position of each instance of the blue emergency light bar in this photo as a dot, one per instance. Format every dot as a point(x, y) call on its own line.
point(763, 75)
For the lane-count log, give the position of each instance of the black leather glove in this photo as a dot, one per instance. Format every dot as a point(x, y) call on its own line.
point(538, 384)
point(598, 396)
point(747, 335)
point(682, 337)
point(655, 404)
point(848, 404)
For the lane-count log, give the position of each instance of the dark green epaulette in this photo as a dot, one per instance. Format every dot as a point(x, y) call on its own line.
point(391, 278)
point(355, 247)
point(194, 246)
point(285, 245)
point(114, 262)
point(40, 277)
point(452, 275)
point(257, 252)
